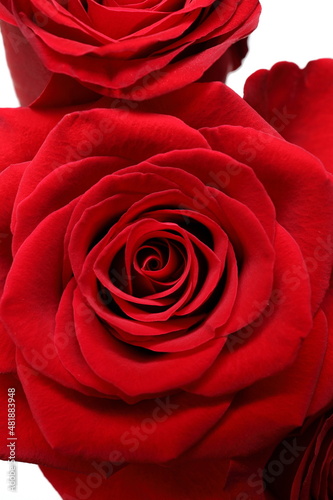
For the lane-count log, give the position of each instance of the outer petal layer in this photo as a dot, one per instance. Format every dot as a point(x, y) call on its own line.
point(298, 104)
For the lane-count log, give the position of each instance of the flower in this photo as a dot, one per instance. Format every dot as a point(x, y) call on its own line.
point(309, 474)
point(133, 51)
point(165, 287)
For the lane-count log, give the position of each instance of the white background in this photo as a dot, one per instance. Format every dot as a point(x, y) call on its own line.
point(290, 30)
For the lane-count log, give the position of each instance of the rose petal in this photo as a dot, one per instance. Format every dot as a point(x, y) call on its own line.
point(241, 363)
point(118, 422)
point(304, 181)
point(26, 430)
point(9, 180)
point(180, 481)
point(298, 103)
point(270, 397)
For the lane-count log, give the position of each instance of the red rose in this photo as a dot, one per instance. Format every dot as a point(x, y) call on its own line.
point(161, 299)
point(307, 473)
point(121, 50)
point(297, 103)
point(314, 477)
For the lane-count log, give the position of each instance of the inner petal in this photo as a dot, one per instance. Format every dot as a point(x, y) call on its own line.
point(151, 257)
point(161, 260)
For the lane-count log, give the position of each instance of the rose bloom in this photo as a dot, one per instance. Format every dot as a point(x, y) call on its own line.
point(299, 469)
point(132, 50)
point(310, 475)
point(165, 278)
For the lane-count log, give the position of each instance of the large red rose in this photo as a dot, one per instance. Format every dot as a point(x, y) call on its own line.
point(165, 292)
point(130, 50)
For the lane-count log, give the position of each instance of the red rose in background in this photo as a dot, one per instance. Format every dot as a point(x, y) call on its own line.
point(314, 476)
point(166, 298)
point(298, 103)
point(134, 51)
point(309, 476)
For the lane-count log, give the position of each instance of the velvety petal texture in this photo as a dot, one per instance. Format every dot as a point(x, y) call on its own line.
point(124, 50)
point(166, 293)
point(178, 481)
